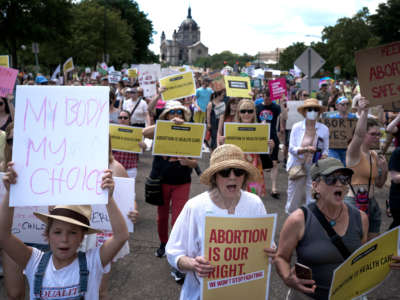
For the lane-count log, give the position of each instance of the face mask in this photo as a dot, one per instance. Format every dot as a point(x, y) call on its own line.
point(312, 115)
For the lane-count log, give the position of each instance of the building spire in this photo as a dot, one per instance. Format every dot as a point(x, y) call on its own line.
point(189, 13)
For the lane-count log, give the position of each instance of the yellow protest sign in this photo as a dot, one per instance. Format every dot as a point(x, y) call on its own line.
point(178, 86)
point(178, 140)
point(126, 138)
point(68, 66)
point(132, 73)
point(4, 61)
point(250, 137)
point(237, 86)
point(365, 268)
point(235, 247)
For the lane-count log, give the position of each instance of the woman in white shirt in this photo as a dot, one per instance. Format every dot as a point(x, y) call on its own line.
point(309, 141)
point(227, 176)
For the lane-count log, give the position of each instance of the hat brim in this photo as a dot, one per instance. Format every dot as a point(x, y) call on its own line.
point(253, 174)
point(337, 168)
point(301, 109)
point(45, 219)
point(186, 113)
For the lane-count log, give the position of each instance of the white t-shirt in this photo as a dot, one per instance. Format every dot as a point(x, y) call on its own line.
point(139, 116)
point(64, 283)
point(186, 237)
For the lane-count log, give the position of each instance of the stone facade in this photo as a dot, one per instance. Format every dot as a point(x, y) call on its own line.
point(185, 46)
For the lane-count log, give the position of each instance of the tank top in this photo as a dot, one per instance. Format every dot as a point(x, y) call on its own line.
point(316, 250)
point(362, 170)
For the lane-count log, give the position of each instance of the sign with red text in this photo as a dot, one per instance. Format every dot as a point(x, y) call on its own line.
point(235, 247)
point(378, 71)
point(7, 80)
point(277, 88)
point(60, 145)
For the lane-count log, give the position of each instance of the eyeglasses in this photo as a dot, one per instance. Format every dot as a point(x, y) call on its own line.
point(332, 179)
point(123, 118)
point(226, 172)
point(177, 111)
point(313, 109)
point(249, 111)
point(375, 134)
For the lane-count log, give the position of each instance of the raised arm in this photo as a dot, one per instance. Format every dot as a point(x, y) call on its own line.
point(15, 248)
point(120, 231)
point(392, 127)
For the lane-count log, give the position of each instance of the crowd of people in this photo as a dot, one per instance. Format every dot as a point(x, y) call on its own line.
point(337, 184)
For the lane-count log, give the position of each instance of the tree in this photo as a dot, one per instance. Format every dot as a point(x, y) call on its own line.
point(385, 23)
point(290, 54)
point(219, 60)
point(25, 21)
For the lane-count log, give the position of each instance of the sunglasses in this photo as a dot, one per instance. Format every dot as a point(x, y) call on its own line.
point(249, 111)
point(313, 109)
point(226, 172)
point(123, 118)
point(332, 179)
point(177, 111)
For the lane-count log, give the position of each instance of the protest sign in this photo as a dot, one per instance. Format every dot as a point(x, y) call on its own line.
point(132, 73)
point(7, 80)
point(5, 61)
point(366, 268)
point(235, 247)
point(178, 140)
point(277, 88)
point(268, 75)
point(178, 86)
point(250, 137)
point(126, 138)
point(114, 76)
point(60, 145)
point(124, 195)
point(378, 71)
point(68, 65)
point(148, 76)
point(340, 131)
point(237, 86)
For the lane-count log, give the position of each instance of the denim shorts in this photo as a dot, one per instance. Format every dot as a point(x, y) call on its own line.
point(374, 213)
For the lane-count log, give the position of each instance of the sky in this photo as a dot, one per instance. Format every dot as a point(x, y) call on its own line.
point(250, 26)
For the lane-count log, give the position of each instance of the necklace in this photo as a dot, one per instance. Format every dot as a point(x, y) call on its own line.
point(332, 221)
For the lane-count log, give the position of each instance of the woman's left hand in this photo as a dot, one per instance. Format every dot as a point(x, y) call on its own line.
point(133, 215)
point(202, 266)
point(107, 182)
point(271, 253)
point(178, 121)
point(395, 264)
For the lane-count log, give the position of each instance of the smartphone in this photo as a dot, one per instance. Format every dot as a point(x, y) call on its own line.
point(302, 271)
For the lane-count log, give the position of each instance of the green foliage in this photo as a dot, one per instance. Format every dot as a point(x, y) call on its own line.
point(290, 54)
point(217, 60)
point(385, 24)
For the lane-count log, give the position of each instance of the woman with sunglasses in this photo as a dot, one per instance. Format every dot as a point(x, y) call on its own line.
point(114, 111)
point(226, 178)
point(228, 116)
point(5, 113)
point(175, 174)
point(370, 169)
point(215, 109)
point(309, 141)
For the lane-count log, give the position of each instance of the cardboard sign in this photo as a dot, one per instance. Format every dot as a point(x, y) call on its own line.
point(5, 61)
point(340, 131)
point(237, 86)
point(124, 195)
point(250, 137)
point(277, 88)
point(178, 140)
point(60, 145)
point(7, 80)
point(235, 247)
point(178, 86)
point(148, 76)
point(378, 72)
point(268, 75)
point(114, 76)
point(126, 138)
point(366, 268)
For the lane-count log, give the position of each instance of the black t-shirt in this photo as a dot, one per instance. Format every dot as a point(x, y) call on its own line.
point(269, 114)
point(170, 172)
point(394, 194)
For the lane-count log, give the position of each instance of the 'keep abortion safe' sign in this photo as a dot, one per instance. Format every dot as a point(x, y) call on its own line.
point(60, 145)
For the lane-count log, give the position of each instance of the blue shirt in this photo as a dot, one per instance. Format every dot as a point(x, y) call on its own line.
point(336, 114)
point(203, 96)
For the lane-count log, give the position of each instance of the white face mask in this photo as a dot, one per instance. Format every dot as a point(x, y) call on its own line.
point(312, 115)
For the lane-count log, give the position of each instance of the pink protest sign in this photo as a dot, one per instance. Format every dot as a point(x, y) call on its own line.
point(277, 88)
point(7, 80)
point(60, 147)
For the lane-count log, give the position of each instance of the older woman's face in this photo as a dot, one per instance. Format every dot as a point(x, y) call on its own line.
point(229, 182)
point(333, 187)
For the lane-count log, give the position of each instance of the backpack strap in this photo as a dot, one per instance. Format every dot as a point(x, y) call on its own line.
point(83, 273)
point(38, 282)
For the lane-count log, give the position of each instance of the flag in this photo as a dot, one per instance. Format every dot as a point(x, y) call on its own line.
point(68, 65)
point(102, 69)
point(56, 72)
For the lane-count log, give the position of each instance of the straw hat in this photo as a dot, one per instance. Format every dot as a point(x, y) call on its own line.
point(228, 156)
point(75, 214)
point(172, 105)
point(311, 102)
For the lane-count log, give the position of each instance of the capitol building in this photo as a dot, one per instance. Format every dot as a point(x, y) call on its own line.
point(185, 46)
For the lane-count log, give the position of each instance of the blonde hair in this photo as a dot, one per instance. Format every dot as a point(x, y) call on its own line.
point(242, 104)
